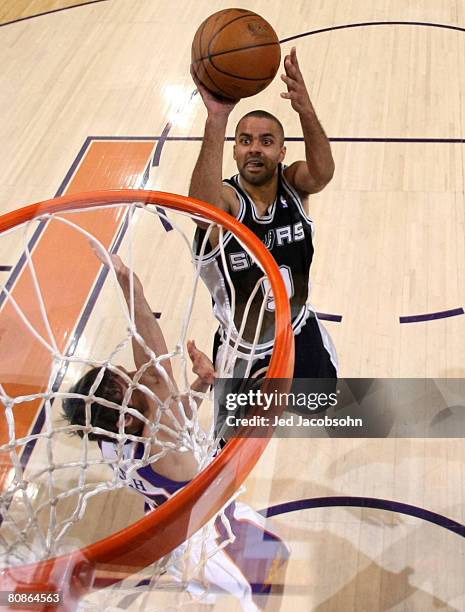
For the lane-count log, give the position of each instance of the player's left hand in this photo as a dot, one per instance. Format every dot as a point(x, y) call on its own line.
point(296, 89)
point(201, 364)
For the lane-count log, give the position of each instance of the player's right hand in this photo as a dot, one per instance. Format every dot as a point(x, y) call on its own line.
point(121, 270)
point(214, 105)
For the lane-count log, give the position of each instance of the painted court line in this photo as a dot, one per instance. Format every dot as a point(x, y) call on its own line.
point(58, 10)
point(432, 316)
point(367, 24)
point(366, 502)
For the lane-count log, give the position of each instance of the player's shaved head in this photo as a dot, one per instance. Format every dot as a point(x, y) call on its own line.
point(262, 114)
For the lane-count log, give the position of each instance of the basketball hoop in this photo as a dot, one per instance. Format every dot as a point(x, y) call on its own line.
point(181, 516)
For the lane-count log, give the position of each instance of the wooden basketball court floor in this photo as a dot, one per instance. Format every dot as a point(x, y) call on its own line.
point(97, 95)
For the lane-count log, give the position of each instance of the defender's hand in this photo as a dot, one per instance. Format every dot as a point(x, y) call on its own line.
point(201, 364)
point(121, 269)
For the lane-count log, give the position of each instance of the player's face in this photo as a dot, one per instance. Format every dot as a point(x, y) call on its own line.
point(258, 149)
point(121, 382)
point(136, 401)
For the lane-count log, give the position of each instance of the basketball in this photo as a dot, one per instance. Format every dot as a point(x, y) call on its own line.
point(235, 53)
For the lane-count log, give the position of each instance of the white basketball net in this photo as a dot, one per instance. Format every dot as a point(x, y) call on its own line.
point(60, 494)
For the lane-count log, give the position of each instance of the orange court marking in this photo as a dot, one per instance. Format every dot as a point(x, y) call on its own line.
point(25, 364)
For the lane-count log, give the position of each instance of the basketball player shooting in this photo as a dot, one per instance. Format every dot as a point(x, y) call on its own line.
point(233, 569)
point(273, 201)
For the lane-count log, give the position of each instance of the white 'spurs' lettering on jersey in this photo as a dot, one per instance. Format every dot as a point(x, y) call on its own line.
point(240, 261)
point(287, 234)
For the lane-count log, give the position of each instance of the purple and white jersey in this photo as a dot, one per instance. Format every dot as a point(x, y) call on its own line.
point(244, 568)
point(155, 488)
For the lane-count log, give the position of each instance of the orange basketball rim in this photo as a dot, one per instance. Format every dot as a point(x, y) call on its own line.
point(161, 531)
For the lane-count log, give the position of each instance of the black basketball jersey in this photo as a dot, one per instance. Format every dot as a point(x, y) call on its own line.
point(286, 231)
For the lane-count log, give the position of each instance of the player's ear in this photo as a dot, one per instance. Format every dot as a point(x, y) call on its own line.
point(130, 423)
point(234, 153)
point(282, 154)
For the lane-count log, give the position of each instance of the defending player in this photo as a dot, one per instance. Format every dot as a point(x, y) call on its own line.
point(135, 413)
point(272, 200)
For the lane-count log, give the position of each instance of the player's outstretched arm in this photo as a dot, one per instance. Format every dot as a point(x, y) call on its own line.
point(146, 324)
point(315, 173)
point(206, 181)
